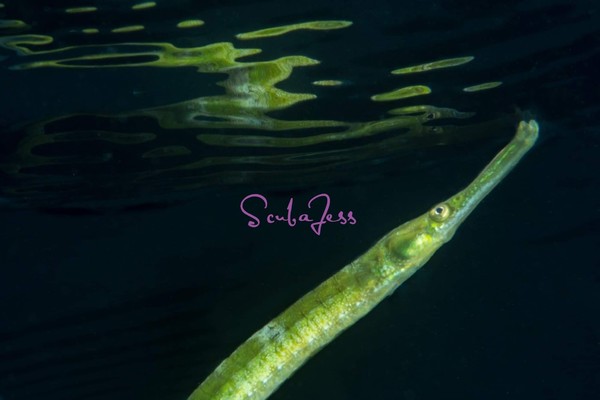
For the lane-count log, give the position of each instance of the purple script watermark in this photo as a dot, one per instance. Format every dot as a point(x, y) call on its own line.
point(315, 224)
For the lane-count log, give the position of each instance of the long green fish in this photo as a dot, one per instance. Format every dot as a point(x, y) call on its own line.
point(257, 368)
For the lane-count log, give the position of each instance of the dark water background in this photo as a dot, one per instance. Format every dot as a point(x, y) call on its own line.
point(143, 303)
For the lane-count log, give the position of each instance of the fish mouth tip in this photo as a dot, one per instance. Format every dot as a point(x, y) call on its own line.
point(528, 131)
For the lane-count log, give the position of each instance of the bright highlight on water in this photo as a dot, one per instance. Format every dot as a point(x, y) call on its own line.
point(281, 30)
point(446, 63)
point(482, 86)
point(402, 93)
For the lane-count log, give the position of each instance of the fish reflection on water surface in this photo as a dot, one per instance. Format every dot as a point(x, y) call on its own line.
point(246, 134)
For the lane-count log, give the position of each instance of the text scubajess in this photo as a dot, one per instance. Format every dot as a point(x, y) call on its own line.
point(319, 215)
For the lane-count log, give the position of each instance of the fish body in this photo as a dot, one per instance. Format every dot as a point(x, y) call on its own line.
point(272, 354)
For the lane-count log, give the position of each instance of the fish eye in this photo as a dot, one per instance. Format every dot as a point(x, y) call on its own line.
point(440, 212)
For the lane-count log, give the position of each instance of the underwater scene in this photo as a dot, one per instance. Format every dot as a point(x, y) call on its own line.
point(226, 200)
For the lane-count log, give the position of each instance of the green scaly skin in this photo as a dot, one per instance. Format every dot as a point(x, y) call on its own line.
point(271, 355)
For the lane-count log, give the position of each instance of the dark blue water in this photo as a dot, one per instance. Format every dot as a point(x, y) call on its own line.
point(120, 283)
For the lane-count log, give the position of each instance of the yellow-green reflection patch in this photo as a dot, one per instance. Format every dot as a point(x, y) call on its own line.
point(36, 138)
point(281, 30)
point(19, 44)
point(431, 112)
point(215, 57)
point(167, 151)
point(143, 6)
point(402, 93)
point(90, 31)
point(446, 63)
point(482, 86)
point(253, 144)
point(192, 23)
point(79, 10)
point(124, 138)
point(126, 29)
point(413, 125)
point(1, 5)
point(12, 24)
point(418, 109)
point(250, 93)
point(330, 82)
